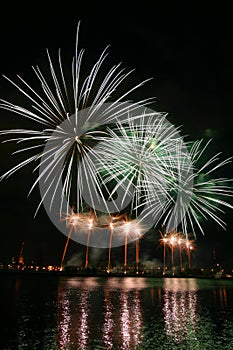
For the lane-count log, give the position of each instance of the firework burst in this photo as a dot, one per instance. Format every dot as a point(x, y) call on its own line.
point(145, 153)
point(94, 151)
point(207, 198)
point(67, 131)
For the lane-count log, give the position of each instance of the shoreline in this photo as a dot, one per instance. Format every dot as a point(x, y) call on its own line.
point(102, 275)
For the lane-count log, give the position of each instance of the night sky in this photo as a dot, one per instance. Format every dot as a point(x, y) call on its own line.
point(187, 51)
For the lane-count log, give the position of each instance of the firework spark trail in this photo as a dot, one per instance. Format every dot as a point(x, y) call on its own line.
point(126, 231)
point(110, 247)
point(73, 221)
point(90, 226)
point(176, 240)
point(65, 248)
point(137, 249)
point(77, 222)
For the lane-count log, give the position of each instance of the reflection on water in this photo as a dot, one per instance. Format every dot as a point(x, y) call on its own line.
point(122, 315)
point(64, 323)
point(108, 326)
point(130, 320)
point(116, 314)
point(180, 309)
point(73, 327)
point(220, 296)
point(83, 331)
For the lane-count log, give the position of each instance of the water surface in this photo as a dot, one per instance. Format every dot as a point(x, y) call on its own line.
point(50, 313)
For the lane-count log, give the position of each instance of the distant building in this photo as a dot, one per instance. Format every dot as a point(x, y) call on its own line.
point(21, 257)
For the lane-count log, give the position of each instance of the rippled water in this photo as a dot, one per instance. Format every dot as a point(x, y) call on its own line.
point(42, 312)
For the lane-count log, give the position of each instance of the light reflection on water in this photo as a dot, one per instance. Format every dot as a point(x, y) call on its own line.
point(180, 309)
point(64, 323)
point(117, 313)
point(108, 325)
point(122, 314)
point(130, 320)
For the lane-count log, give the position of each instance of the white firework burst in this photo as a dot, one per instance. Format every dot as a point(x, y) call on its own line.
point(61, 123)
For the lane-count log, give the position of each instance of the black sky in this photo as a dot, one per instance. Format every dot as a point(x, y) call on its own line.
point(188, 51)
